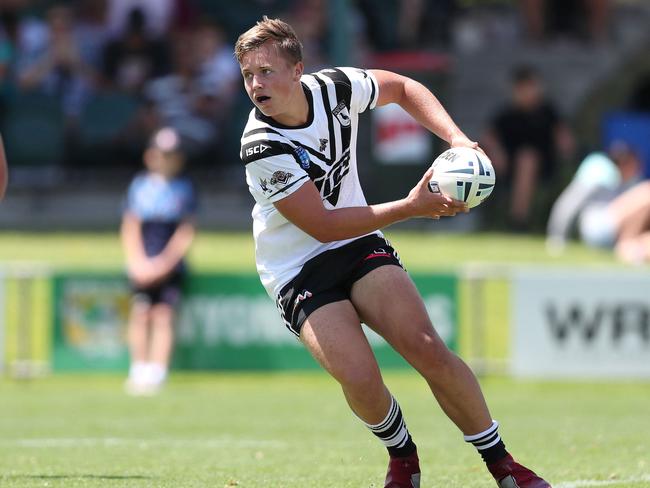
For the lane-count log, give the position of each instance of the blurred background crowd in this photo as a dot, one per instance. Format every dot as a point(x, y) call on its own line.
point(84, 83)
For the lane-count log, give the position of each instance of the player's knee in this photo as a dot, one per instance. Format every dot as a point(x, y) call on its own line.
point(360, 379)
point(431, 354)
point(425, 343)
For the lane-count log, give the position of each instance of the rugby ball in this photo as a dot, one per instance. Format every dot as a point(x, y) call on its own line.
point(464, 174)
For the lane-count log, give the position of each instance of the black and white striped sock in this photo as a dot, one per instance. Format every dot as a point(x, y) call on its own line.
point(489, 444)
point(392, 432)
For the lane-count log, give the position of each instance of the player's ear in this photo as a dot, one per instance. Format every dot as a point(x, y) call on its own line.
point(298, 70)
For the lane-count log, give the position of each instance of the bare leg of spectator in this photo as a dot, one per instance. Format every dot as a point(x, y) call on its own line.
point(138, 332)
point(631, 211)
point(635, 250)
point(162, 340)
point(526, 169)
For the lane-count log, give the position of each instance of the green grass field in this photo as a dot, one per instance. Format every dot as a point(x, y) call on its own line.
point(294, 430)
point(216, 251)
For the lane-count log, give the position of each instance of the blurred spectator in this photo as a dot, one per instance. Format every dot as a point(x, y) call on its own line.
point(59, 69)
point(91, 31)
point(8, 38)
point(157, 231)
point(408, 24)
point(640, 97)
point(630, 214)
point(22, 41)
point(310, 21)
point(524, 141)
point(600, 178)
point(135, 58)
point(159, 15)
point(217, 69)
point(4, 175)
point(195, 98)
point(544, 19)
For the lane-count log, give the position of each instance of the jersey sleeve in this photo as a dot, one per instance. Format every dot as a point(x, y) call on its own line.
point(273, 171)
point(365, 89)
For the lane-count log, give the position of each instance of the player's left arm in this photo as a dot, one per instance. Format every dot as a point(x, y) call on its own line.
point(423, 106)
point(3, 170)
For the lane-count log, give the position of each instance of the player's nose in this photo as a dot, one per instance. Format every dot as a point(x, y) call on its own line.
point(257, 82)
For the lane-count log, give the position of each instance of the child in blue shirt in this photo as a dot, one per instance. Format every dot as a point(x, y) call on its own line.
point(157, 231)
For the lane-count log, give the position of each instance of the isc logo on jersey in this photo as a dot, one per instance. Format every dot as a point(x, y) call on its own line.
point(259, 149)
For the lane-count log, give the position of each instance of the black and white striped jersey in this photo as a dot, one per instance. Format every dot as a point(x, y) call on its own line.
point(280, 159)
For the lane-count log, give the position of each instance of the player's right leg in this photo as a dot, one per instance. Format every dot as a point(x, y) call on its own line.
point(333, 335)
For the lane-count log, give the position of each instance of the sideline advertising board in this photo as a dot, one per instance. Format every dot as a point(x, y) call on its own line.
point(581, 324)
point(226, 321)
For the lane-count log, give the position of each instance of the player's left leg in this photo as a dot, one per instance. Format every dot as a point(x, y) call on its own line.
point(387, 300)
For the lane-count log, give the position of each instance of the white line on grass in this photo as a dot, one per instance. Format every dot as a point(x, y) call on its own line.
point(141, 443)
point(590, 483)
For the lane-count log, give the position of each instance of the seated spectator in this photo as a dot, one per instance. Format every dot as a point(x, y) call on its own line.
point(310, 20)
point(630, 214)
point(133, 59)
point(197, 96)
point(91, 31)
point(544, 19)
point(59, 69)
point(525, 139)
point(4, 173)
point(8, 33)
point(594, 203)
point(218, 72)
point(640, 97)
point(159, 15)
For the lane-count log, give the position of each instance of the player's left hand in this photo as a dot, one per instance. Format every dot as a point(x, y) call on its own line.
point(461, 140)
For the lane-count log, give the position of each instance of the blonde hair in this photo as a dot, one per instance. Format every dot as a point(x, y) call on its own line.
point(274, 30)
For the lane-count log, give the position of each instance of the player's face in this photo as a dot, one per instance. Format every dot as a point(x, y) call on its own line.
point(271, 81)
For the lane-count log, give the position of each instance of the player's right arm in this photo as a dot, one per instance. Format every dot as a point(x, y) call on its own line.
point(4, 177)
point(304, 208)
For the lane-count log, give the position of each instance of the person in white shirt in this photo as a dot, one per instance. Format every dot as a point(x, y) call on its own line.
point(320, 253)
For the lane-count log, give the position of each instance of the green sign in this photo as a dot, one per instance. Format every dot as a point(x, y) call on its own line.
point(90, 318)
point(226, 321)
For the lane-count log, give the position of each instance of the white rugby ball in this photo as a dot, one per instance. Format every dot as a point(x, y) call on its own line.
point(464, 174)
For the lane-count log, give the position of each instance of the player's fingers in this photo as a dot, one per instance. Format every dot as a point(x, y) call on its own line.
point(459, 206)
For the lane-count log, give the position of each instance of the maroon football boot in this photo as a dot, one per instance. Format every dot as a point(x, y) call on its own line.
point(403, 472)
point(510, 474)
